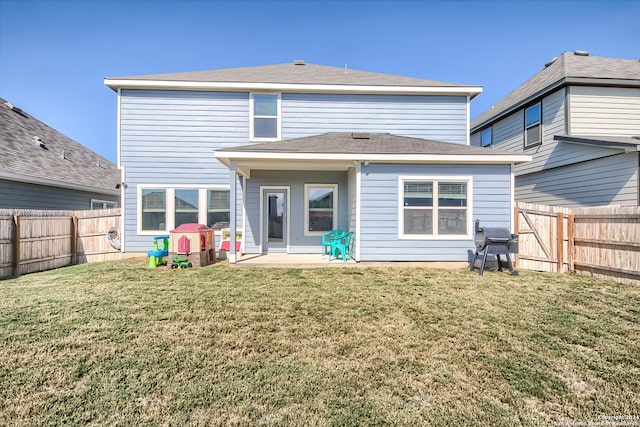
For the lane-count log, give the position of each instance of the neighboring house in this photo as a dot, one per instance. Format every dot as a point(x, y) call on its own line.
point(579, 118)
point(286, 153)
point(40, 168)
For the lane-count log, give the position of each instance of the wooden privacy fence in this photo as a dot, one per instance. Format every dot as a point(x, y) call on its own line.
point(603, 241)
point(33, 240)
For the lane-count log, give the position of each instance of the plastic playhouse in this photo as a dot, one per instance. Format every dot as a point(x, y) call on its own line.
point(192, 245)
point(157, 255)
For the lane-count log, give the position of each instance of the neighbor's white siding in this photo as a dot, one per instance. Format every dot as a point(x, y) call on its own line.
point(605, 111)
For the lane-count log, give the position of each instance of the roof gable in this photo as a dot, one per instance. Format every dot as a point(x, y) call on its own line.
point(33, 151)
point(570, 67)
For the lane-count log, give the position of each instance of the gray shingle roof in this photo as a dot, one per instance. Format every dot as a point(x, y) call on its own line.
point(569, 68)
point(291, 73)
point(22, 155)
point(376, 143)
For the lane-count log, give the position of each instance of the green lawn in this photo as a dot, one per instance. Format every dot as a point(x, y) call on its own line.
point(119, 344)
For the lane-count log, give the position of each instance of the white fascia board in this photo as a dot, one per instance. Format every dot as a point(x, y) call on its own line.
point(53, 183)
point(240, 156)
point(116, 84)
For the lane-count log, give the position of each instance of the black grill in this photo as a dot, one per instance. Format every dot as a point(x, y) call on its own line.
point(494, 241)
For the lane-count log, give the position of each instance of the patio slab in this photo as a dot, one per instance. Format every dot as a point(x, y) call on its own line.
point(322, 261)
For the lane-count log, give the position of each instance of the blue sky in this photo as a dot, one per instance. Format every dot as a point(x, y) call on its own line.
point(54, 54)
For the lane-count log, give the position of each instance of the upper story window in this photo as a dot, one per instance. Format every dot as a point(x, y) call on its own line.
point(532, 126)
point(486, 137)
point(265, 117)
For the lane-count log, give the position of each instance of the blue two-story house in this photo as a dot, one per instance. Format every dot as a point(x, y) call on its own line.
point(288, 152)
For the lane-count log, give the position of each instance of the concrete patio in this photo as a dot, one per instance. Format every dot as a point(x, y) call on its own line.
point(275, 260)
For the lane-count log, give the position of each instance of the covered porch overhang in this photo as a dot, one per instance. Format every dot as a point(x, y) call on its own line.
point(344, 151)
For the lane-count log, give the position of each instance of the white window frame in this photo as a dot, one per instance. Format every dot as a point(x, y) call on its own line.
point(490, 130)
point(528, 144)
point(436, 180)
point(170, 194)
point(307, 187)
point(104, 204)
point(252, 137)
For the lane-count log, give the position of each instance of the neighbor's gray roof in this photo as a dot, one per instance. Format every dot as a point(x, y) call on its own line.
point(608, 141)
point(568, 68)
point(22, 157)
point(291, 73)
point(376, 143)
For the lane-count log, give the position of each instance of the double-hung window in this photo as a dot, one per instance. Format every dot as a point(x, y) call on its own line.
point(186, 207)
point(154, 209)
point(434, 207)
point(265, 117)
point(321, 208)
point(217, 206)
point(532, 126)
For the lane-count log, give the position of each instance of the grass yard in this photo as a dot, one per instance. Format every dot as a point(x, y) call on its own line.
point(119, 344)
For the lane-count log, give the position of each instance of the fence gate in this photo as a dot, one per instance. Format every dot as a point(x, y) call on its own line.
point(542, 239)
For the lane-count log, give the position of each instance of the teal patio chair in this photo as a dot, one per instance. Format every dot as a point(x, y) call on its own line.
point(327, 240)
point(342, 245)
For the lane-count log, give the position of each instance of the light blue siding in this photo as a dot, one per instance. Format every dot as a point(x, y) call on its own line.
point(440, 118)
point(379, 203)
point(605, 181)
point(21, 195)
point(295, 180)
point(168, 138)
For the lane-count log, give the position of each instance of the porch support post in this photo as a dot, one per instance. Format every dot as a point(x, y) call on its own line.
point(358, 208)
point(232, 213)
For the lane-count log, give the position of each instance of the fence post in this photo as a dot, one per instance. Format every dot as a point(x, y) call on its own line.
point(516, 230)
point(571, 243)
point(74, 239)
point(16, 245)
point(560, 242)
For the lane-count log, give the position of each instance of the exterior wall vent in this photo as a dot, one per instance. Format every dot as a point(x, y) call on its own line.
point(299, 62)
point(581, 53)
point(360, 135)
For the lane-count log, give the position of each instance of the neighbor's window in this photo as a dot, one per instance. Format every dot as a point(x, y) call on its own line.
point(321, 208)
point(532, 127)
point(434, 207)
point(486, 137)
point(154, 209)
point(186, 207)
point(217, 206)
point(103, 204)
point(265, 121)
